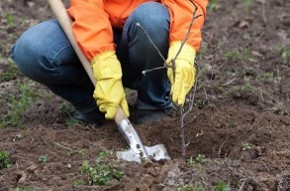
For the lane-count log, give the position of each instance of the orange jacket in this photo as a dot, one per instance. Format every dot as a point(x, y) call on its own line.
point(93, 21)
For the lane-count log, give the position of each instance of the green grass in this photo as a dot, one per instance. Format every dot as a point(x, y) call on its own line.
point(68, 110)
point(267, 76)
point(286, 53)
point(283, 51)
point(10, 19)
point(201, 52)
point(23, 189)
point(235, 54)
point(213, 5)
point(222, 186)
point(197, 186)
point(10, 73)
point(245, 88)
point(18, 103)
point(248, 4)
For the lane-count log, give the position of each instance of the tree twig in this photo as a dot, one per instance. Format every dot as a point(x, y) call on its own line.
point(62, 146)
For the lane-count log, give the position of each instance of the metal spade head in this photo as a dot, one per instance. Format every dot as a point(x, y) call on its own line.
point(155, 153)
point(138, 151)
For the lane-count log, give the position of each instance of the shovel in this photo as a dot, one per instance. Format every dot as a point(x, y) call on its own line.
point(137, 152)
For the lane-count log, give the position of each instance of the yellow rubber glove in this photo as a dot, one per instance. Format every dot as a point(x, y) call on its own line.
point(109, 92)
point(184, 71)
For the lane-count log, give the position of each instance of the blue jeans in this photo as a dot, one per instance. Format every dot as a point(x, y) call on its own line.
point(44, 54)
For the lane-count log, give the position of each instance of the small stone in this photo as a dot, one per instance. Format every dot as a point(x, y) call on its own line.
point(31, 168)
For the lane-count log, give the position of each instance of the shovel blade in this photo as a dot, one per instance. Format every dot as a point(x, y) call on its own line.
point(156, 153)
point(129, 155)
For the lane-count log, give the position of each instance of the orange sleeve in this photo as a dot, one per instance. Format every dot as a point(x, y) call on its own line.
point(181, 13)
point(91, 27)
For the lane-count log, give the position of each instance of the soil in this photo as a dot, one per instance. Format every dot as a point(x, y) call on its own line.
point(239, 123)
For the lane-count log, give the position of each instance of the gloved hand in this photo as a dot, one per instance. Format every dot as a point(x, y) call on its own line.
point(109, 92)
point(184, 71)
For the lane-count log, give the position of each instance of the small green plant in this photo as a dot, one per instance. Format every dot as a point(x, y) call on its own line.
point(197, 162)
point(78, 182)
point(191, 187)
point(101, 172)
point(247, 88)
point(42, 159)
point(213, 5)
point(246, 146)
point(222, 186)
point(4, 160)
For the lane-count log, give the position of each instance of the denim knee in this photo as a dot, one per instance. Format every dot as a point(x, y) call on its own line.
point(151, 14)
point(31, 52)
point(44, 54)
point(31, 60)
point(154, 18)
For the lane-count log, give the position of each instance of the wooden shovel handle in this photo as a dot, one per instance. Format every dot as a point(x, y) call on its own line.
point(64, 20)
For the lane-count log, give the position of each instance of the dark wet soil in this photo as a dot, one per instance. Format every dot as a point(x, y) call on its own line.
point(240, 120)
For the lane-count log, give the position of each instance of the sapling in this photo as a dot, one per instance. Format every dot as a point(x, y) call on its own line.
point(183, 111)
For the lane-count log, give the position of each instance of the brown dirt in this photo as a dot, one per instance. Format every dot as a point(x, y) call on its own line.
point(242, 99)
